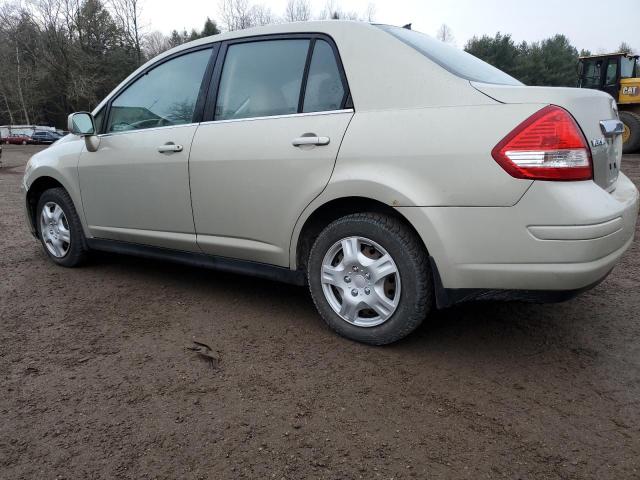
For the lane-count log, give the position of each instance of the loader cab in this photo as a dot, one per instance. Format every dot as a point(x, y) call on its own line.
point(605, 72)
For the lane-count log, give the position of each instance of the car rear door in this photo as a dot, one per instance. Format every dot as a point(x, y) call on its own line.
point(277, 113)
point(135, 187)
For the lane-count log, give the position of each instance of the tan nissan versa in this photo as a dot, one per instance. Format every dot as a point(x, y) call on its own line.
point(388, 171)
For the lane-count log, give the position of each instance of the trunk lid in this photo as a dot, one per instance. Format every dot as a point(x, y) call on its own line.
point(588, 107)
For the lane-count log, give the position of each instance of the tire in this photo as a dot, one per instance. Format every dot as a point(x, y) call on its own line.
point(24, 142)
point(410, 287)
point(73, 252)
point(632, 122)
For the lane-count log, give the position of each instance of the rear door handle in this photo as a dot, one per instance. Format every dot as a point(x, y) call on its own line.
point(169, 148)
point(311, 140)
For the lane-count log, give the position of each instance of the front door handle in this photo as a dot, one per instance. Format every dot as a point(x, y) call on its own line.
point(310, 140)
point(169, 147)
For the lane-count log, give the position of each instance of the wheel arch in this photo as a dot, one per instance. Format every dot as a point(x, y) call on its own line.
point(629, 107)
point(35, 191)
point(317, 218)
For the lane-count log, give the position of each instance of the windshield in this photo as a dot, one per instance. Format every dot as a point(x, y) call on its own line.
point(450, 58)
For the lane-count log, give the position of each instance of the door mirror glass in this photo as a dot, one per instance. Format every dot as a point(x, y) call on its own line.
point(82, 124)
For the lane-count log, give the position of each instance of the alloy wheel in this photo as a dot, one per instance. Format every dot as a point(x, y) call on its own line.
point(54, 229)
point(360, 281)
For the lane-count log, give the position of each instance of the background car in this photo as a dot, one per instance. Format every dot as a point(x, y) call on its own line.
point(17, 139)
point(45, 137)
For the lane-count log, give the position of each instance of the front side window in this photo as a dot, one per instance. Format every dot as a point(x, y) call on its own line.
point(261, 79)
point(324, 90)
point(162, 97)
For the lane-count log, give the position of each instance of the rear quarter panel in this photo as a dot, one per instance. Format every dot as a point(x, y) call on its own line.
point(437, 156)
point(429, 156)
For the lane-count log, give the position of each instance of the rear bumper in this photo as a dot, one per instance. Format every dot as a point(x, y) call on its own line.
point(445, 297)
point(561, 236)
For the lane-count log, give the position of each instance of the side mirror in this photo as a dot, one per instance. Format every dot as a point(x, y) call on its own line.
point(82, 124)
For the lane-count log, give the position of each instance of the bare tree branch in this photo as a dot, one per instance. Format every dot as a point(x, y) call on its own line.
point(445, 34)
point(297, 11)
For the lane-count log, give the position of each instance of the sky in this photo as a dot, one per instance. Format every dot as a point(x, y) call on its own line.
point(587, 24)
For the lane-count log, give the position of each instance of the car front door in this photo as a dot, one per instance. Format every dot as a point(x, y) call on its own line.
point(135, 187)
point(281, 111)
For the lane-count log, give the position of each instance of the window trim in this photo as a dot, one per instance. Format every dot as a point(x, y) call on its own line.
point(202, 92)
point(213, 89)
point(274, 117)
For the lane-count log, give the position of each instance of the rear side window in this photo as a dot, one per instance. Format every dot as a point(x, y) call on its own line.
point(164, 96)
point(324, 90)
point(450, 58)
point(261, 79)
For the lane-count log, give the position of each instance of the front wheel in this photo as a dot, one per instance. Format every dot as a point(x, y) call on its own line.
point(369, 277)
point(59, 228)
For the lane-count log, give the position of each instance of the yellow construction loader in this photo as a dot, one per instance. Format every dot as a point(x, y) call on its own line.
point(618, 74)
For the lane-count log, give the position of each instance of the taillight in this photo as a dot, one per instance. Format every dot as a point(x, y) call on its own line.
point(546, 146)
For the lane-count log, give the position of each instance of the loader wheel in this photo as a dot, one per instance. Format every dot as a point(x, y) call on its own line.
point(631, 134)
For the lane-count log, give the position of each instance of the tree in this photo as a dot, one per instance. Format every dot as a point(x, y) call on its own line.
point(297, 11)
point(445, 34)
point(559, 58)
point(500, 51)
point(549, 62)
point(128, 14)
point(332, 11)
point(370, 12)
point(58, 56)
point(261, 15)
point(155, 43)
point(177, 38)
point(210, 28)
point(625, 48)
point(236, 14)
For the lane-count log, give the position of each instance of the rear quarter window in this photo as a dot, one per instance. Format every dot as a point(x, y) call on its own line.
point(458, 62)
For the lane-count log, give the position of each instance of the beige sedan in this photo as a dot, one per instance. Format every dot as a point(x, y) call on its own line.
point(391, 173)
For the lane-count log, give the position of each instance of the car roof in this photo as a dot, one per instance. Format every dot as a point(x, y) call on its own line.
point(318, 26)
point(363, 48)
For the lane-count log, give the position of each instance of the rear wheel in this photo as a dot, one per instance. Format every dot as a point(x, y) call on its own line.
point(59, 228)
point(631, 134)
point(369, 277)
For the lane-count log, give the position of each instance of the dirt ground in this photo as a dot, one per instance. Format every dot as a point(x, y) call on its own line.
point(97, 382)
